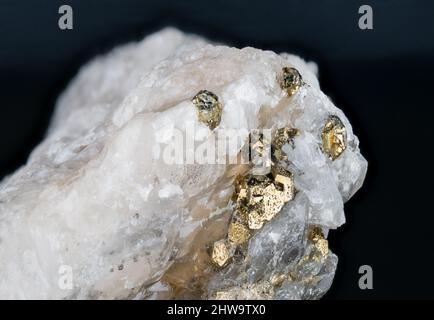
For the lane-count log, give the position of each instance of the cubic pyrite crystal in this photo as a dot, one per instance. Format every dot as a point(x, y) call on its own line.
point(238, 233)
point(334, 139)
point(140, 189)
point(261, 197)
point(290, 80)
point(209, 108)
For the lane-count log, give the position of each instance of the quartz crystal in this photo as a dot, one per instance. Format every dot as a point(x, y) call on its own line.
point(99, 212)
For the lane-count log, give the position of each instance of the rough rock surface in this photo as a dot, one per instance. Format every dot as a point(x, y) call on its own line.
point(97, 199)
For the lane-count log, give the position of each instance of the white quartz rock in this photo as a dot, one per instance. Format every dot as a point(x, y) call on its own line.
point(97, 213)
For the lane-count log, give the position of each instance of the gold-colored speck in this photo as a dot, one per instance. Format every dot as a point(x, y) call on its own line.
point(284, 180)
point(323, 247)
point(220, 254)
point(259, 198)
point(284, 135)
point(281, 137)
point(242, 194)
point(223, 295)
point(290, 80)
point(291, 277)
point(334, 138)
point(208, 107)
point(277, 279)
point(238, 233)
point(272, 202)
point(315, 233)
point(316, 236)
point(317, 252)
point(240, 189)
point(255, 220)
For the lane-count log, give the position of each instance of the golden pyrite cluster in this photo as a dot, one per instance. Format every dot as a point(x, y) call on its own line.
point(258, 198)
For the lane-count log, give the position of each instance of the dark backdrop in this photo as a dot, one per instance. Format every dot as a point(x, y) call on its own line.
point(381, 78)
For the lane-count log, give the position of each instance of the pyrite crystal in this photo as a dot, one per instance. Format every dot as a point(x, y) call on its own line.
point(334, 137)
point(220, 253)
point(238, 233)
point(257, 200)
point(282, 136)
point(316, 236)
point(108, 197)
point(290, 80)
point(208, 107)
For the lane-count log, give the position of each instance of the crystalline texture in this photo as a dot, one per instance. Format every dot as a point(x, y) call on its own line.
point(97, 200)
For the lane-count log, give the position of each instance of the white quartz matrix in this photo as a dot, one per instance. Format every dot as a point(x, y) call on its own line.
point(96, 213)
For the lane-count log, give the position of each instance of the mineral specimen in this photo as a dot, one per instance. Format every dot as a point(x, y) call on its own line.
point(106, 208)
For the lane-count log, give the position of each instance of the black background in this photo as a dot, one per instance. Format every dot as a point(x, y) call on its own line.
point(382, 79)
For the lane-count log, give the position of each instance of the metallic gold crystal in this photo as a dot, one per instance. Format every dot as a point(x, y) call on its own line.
point(255, 220)
point(272, 202)
point(290, 80)
point(322, 246)
point(284, 180)
point(240, 189)
point(284, 135)
point(261, 197)
point(316, 236)
point(262, 290)
point(281, 137)
point(208, 107)
point(334, 138)
point(220, 254)
point(238, 233)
